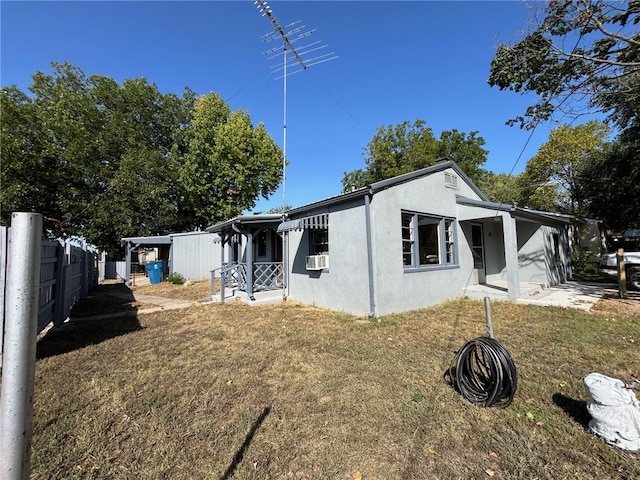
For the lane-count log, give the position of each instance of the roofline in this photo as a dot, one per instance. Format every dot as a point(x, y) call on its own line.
point(157, 240)
point(185, 234)
point(341, 198)
point(376, 187)
point(440, 165)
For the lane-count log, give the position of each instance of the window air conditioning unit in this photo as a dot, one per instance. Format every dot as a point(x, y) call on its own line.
point(317, 262)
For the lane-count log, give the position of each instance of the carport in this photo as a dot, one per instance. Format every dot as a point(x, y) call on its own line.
point(162, 243)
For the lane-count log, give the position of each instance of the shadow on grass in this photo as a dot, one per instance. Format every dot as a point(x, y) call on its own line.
point(237, 458)
point(109, 312)
point(576, 409)
point(85, 333)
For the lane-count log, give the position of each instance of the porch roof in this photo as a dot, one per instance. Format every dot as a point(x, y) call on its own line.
point(518, 212)
point(242, 220)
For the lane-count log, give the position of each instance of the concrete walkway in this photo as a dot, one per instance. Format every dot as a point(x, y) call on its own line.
point(152, 303)
point(573, 294)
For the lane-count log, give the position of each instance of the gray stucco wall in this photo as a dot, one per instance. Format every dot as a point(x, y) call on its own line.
point(344, 286)
point(537, 255)
point(399, 289)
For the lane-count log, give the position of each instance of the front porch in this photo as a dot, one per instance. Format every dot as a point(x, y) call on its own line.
point(238, 280)
point(251, 258)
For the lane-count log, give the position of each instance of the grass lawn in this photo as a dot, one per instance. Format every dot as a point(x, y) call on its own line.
point(289, 391)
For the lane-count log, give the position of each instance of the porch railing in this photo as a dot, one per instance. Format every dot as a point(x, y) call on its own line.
point(266, 276)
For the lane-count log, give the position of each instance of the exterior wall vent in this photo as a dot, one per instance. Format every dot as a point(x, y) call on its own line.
point(450, 180)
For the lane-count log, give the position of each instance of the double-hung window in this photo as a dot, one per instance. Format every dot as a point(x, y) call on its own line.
point(428, 241)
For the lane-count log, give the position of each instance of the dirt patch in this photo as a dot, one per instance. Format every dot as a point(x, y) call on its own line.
point(612, 305)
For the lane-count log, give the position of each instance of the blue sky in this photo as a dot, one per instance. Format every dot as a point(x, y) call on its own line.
point(397, 61)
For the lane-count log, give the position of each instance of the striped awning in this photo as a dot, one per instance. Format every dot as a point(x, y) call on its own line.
point(313, 222)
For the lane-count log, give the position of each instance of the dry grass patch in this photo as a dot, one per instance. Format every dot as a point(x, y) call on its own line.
point(289, 391)
point(189, 291)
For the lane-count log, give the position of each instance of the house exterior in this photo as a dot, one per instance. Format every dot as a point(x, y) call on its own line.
point(406, 243)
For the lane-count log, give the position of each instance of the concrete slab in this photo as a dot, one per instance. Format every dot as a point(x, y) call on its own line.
point(572, 294)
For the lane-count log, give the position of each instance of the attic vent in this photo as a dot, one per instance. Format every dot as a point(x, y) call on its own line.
point(450, 180)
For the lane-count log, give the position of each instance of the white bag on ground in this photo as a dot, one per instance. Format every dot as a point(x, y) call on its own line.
point(615, 411)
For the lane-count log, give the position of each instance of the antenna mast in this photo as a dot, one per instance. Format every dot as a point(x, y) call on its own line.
point(288, 39)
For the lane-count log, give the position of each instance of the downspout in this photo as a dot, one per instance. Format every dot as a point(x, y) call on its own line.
point(367, 216)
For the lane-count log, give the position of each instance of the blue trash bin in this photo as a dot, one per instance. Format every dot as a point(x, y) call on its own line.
point(154, 271)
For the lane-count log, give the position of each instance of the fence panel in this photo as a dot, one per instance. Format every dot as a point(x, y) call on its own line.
point(49, 266)
point(68, 273)
point(115, 270)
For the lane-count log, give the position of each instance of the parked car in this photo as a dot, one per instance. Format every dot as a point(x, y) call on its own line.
point(608, 266)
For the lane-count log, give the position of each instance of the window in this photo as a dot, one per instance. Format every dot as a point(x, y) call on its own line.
point(319, 242)
point(427, 240)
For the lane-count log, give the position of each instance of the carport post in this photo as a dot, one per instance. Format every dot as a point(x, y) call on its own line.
point(19, 352)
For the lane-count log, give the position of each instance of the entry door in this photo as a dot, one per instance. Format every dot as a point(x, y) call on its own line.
point(477, 248)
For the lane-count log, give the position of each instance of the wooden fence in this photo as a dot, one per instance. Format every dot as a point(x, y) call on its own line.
point(67, 274)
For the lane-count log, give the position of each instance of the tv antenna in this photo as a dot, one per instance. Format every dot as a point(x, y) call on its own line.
point(290, 35)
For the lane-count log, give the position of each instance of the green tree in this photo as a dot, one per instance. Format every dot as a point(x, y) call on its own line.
point(503, 188)
point(550, 180)
point(611, 184)
point(406, 147)
point(104, 161)
point(466, 151)
point(55, 131)
point(580, 50)
point(225, 163)
point(21, 144)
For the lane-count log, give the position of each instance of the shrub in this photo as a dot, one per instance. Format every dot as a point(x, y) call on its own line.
point(580, 262)
point(176, 279)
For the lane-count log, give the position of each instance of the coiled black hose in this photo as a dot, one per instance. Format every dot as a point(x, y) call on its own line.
point(483, 372)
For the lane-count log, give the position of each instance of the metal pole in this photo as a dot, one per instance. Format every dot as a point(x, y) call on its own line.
point(487, 312)
point(284, 135)
point(21, 324)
